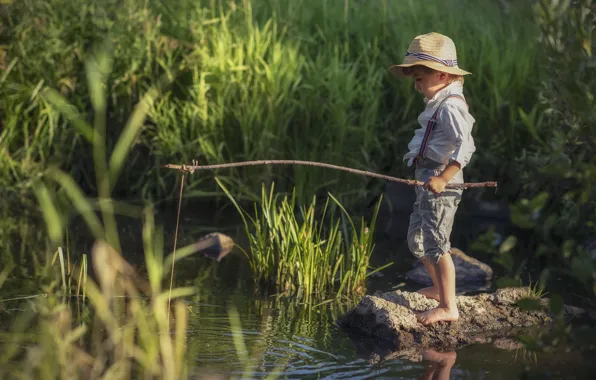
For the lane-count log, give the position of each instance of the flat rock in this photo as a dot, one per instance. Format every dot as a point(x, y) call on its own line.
point(471, 274)
point(390, 318)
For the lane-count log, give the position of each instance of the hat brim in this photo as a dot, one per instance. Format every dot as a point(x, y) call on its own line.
point(398, 71)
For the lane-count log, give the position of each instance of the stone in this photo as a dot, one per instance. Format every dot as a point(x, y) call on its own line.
point(471, 274)
point(214, 245)
point(390, 319)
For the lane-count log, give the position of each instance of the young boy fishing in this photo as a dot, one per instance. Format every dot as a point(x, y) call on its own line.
point(440, 149)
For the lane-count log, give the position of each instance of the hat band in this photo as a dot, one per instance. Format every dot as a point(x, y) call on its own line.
point(426, 57)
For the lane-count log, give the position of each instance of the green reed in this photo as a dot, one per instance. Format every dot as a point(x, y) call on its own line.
point(261, 79)
point(302, 253)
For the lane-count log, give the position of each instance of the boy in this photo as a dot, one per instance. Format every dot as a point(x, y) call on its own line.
point(441, 148)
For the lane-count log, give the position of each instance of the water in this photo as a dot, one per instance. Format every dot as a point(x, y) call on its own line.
point(307, 344)
point(297, 342)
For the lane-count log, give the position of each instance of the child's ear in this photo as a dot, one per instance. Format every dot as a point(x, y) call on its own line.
point(443, 75)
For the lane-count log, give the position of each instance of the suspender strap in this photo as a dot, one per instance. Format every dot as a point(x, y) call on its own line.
point(431, 124)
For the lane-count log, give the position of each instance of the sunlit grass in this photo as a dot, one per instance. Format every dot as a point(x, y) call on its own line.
point(261, 79)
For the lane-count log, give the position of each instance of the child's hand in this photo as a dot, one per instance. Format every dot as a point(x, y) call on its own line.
point(435, 184)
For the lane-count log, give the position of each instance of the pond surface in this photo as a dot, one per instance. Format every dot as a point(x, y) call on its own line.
point(307, 343)
point(301, 342)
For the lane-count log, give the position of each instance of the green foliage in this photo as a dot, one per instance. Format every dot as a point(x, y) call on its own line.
point(552, 187)
point(59, 341)
point(562, 211)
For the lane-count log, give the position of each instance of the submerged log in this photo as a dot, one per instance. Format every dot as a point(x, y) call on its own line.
point(390, 317)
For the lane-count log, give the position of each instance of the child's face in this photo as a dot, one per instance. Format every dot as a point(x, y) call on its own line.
point(428, 82)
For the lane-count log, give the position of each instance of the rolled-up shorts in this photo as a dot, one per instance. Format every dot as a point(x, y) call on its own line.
point(432, 218)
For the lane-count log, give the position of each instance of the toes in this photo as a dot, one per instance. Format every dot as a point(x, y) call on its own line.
point(422, 318)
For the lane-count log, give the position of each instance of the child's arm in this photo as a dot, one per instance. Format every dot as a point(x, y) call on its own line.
point(452, 168)
point(437, 184)
point(459, 130)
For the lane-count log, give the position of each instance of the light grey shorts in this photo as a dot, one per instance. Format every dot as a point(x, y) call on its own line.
point(432, 218)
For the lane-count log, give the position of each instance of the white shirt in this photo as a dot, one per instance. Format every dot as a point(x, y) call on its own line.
point(451, 138)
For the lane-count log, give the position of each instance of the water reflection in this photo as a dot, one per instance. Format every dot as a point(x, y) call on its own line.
point(439, 364)
point(299, 342)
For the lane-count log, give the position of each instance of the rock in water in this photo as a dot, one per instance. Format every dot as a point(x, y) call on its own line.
point(471, 274)
point(390, 318)
point(215, 245)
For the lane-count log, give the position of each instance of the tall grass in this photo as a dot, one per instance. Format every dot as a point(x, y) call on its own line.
point(130, 332)
point(128, 336)
point(125, 330)
point(260, 79)
point(305, 255)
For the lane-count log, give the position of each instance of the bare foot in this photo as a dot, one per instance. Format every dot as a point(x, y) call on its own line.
point(430, 292)
point(438, 314)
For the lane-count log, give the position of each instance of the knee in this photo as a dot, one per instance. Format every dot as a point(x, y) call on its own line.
point(434, 255)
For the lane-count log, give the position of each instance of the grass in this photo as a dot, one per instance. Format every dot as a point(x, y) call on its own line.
point(261, 79)
point(306, 255)
point(130, 333)
point(122, 328)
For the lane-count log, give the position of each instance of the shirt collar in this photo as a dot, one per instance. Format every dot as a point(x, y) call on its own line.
point(454, 88)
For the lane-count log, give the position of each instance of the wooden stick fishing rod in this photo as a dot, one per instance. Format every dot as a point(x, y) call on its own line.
point(194, 166)
point(191, 168)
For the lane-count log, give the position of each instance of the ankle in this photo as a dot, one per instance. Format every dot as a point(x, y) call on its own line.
point(451, 306)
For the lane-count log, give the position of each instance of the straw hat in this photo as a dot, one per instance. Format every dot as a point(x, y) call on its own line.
point(432, 50)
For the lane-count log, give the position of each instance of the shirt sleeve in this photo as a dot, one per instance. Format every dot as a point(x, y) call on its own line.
point(458, 127)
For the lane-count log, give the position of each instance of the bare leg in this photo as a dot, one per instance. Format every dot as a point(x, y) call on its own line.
point(429, 374)
point(431, 291)
point(447, 309)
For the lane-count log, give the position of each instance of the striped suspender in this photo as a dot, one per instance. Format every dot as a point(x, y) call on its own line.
point(431, 124)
